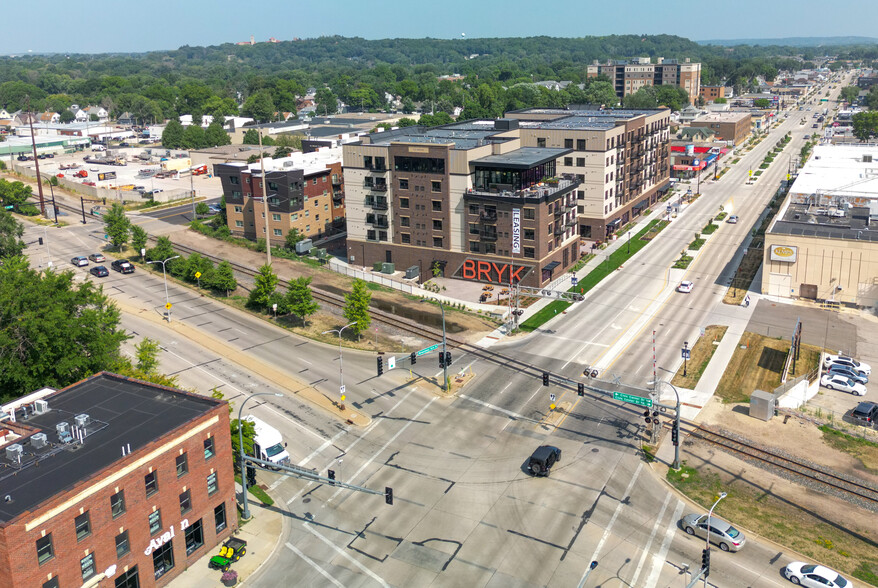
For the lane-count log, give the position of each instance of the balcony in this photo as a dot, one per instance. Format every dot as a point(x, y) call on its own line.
point(378, 204)
point(559, 230)
point(489, 217)
point(488, 235)
point(379, 187)
point(563, 185)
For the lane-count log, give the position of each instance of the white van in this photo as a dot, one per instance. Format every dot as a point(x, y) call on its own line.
point(98, 148)
point(268, 443)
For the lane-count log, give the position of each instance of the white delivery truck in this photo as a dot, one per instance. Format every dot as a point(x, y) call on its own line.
point(268, 443)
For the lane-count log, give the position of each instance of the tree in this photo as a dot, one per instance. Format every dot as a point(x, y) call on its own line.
point(293, 237)
point(299, 300)
point(147, 354)
point(223, 278)
point(260, 106)
point(251, 137)
point(11, 232)
point(117, 225)
point(849, 93)
point(357, 308)
point(263, 288)
point(643, 98)
point(248, 433)
point(435, 120)
point(674, 97)
point(202, 209)
point(720, 100)
point(54, 330)
point(601, 92)
point(865, 125)
point(163, 250)
point(215, 135)
point(67, 116)
point(762, 103)
point(14, 194)
point(325, 101)
point(139, 238)
point(406, 122)
point(193, 137)
point(172, 136)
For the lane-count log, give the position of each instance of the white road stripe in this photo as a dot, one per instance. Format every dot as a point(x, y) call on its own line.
point(314, 565)
point(658, 560)
point(344, 554)
point(658, 521)
point(497, 408)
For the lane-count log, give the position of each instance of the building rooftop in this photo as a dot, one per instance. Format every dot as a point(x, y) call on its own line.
point(846, 223)
point(721, 117)
point(523, 158)
point(840, 171)
point(310, 163)
point(121, 413)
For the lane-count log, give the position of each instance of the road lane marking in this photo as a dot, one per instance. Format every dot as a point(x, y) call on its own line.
point(658, 521)
point(314, 565)
point(341, 552)
point(658, 560)
point(509, 413)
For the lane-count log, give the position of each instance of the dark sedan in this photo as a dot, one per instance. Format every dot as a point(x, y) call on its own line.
point(99, 271)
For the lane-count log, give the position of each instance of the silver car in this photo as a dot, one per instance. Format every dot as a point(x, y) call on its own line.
point(722, 533)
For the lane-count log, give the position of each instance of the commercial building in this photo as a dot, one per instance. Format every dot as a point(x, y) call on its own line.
point(822, 245)
point(711, 93)
point(480, 199)
point(630, 76)
point(112, 482)
point(727, 126)
point(305, 192)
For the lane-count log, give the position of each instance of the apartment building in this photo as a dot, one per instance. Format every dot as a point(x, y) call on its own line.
point(112, 482)
point(629, 76)
point(305, 192)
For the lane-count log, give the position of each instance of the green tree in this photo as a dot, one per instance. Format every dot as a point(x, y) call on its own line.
point(720, 100)
point(14, 194)
point(674, 97)
point(299, 300)
point(762, 103)
point(139, 238)
point(117, 225)
point(251, 137)
point(202, 209)
point(356, 309)
point(216, 136)
point(11, 232)
point(289, 141)
point(600, 92)
point(325, 101)
point(163, 250)
point(293, 237)
point(248, 432)
point(147, 354)
point(193, 137)
point(260, 106)
point(434, 120)
point(406, 122)
point(849, 93)
point(67, 116)
point(54, 330)
point(223, 278)
point(264, 286)
point(865, 125)
point(172, 136)
point(643, 98)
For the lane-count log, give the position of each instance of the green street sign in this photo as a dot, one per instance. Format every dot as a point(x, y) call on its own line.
point(10, 207)
point(427, 350)
point(632, 399)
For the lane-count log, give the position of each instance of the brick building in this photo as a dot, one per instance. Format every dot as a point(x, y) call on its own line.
point(629, 76)
point(711, 93)
point(112, 482)
point(727, 126)
point(305, 192)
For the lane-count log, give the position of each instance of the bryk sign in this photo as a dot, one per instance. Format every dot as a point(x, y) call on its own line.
point(516, 230)
point(488, 271)
point(165, 537)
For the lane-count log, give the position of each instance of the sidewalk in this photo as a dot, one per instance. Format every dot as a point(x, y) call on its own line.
point(263, 534)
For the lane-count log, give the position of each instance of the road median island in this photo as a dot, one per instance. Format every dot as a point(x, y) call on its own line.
point(700, 355)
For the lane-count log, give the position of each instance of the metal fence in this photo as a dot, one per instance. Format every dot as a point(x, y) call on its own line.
point(372, 277)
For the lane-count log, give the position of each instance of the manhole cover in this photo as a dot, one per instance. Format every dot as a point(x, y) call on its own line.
point(306, 500)
point(594, 449)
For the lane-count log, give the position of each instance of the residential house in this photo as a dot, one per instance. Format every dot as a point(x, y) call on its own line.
point(100, 112)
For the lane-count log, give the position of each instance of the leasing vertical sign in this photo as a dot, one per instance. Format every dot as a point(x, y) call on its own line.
point(516, 230)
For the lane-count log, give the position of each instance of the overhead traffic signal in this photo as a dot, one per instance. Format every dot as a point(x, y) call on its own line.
point(380, 365)
point(251, 475)
point(330, 474)
point(545, 378)
point(447, 359)
point(580, 389)
point(414, 357)
point(646, 417)
point(388, 495)
point(675, 434)
point(441, 359)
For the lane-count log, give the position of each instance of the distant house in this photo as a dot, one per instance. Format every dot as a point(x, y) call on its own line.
point(49, 117)
point(100, 112)
point(80, 115)
point(696, 134)
point(126, 119)
point(4, 114)
point(186, 120)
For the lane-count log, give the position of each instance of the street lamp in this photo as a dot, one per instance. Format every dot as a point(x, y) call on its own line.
point(707, 539)
point(165, 274)
point(340, 360)
point(591, 566)
point(246, 508)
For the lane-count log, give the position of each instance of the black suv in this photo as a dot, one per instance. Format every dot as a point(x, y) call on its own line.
point(123, 265)
point(542, 460)
point(866, 414)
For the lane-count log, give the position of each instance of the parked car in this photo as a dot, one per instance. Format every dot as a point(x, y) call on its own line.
point(810, 575)
point(542, 460)
point(215, 208)
point(97, 257)
point(23, 158)
point(123, 265)
point(866, 413)
point(836, 382)
point(841, 370)
point(99, 271)
point(722, 533)
point(98, 148)
point(685, 287)
point(79, 261)
point(846, 361)
point(733, 219)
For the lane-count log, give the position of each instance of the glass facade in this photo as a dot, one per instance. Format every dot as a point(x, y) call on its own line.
point(496, 180)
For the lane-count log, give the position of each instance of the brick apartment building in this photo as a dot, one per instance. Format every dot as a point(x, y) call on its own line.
point(112, 482)
point(486, 199)
point(711, 93)
point(727, 126)
point(629, 76)
point(305, 192)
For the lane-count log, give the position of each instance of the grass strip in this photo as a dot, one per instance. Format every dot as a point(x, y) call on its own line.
point(700, 357)
point(258, 492)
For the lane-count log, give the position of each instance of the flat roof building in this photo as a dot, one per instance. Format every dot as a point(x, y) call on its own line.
point(112, 478)
point(629, 76)
point(727, 126)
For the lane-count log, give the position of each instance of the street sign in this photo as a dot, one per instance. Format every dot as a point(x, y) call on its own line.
point(669, 208)
point(341, 389)
point(168, 306)
point(687, 353)
point(391, 362)
point(552, 397)
point(632, 399)
point(197, 275)
point(574, 280)
point(427, 350)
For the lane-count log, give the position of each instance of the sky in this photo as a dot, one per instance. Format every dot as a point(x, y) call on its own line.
point(135, 26)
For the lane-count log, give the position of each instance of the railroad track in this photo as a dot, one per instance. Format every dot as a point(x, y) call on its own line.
point(838, 484)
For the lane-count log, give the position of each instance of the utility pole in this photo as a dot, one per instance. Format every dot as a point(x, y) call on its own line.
point(264, 200)
point(33, 142)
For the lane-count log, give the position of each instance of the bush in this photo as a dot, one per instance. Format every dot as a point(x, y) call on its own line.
point(28, 210)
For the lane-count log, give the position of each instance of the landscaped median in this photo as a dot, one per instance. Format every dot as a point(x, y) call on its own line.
point(610, 264)
point(699, 357)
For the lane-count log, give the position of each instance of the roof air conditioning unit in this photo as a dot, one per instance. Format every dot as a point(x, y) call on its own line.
point(867, 159)
point(38, 440)
point(82, 420)
point(62, 427)
point(14, 452)
point(41, 407)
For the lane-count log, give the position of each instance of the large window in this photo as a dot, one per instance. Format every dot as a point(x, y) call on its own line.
point(208, 449)
point(53, 583)
point(151, 481)
point(219, 517)
point(87, 566)
point(185, 502)
point(194, 537)
point(182, 464)
point(163, 559)
point(45, 551)
point(155, 522)
point(497, 180)
point(83, 526)
point(128, 579)
point(122, 544)
point(212, 485)
point(421, 165)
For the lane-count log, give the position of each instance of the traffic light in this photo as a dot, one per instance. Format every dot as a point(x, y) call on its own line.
point(380, 365)
point(545, 378)
point(580, 389)
point(41, 240)
point(330, 474)
point(705, 562)
point(448, 359)
point(414, 358)
point(646, 416)
point(675, 434)
point(441, 359)
point(388, 495)
point(251, 475)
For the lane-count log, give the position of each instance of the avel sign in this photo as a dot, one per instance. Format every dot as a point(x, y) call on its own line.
point(488, 271)
point(165, 537)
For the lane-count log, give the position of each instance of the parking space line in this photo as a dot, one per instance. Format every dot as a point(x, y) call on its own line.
point(314, 565)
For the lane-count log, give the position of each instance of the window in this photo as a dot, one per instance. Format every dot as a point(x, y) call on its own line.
point(307, 228)
point(122, 544)
point(580, 162)
point(437, 241)
point(326, 206)
point(212, 485)
point(474, 246)
point(208, 448)
point(219, 517)
point(185, 502)
point(182, 464)
point(272, 186)
point(580, 144)
point(234, 180)
point(239, 209)
point(277, 232)
point(275, 216)
point(117, 504)
point(437, 225)
point(403, 202)
point(239, 223)
point(151, 481)
point(367, 161)
point(316, 217)
point(568, 143)
point(529, 214)
point(490, 248)
point(236, 194)
point(406, 238)
point(568, 161)
point(83, 526)
point(541, 141)
point(424, 165)
point(294, 216)
point(405, 221)
point(155, 522)
point(437, 206)
point(529, 252)
point(194, 537)
point(307, 213)
point(87, 565)
point(314, 183)
point(436, 186)
point(45, 552)
point(403, 184)
point(163, 559)
point(128, 579)
point(53, 583)
point(528, 234)
point(474, 209)
point(473, 229)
